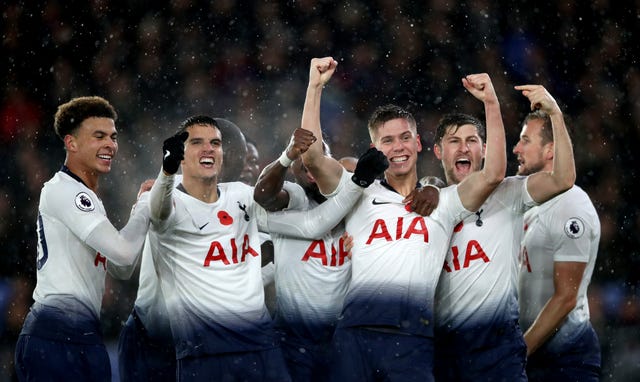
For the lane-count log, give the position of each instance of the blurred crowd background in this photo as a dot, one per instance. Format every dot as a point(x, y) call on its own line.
point(248, 61)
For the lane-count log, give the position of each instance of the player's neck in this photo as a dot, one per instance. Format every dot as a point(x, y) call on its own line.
point(403, 184)
point(87, 176)
point(205, 190)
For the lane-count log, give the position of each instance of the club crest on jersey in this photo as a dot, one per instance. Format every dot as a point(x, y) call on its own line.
point(574, 228)
point(84, 202)
point(243, 208)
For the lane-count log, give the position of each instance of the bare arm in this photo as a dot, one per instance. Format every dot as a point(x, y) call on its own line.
point(566, 281)
point(324, 169)
point(544, 185)
point(318, 221)
point(268, 191)
point(423, 200)
point(477, 187)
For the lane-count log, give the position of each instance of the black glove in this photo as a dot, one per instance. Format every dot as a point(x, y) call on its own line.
point(370, 164)
point(173, 150)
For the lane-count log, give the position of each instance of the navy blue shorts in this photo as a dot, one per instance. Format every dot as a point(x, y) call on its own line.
point(256, 366)
point(141, 358)
point(578, 362)
point(39, 359)
point(371, 355)
point(307, 361)
point(499, 356)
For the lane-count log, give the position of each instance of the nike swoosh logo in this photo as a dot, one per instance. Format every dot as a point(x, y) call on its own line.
point(375, 202)
point(205, 224)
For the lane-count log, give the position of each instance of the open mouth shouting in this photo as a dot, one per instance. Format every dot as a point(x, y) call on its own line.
point(207, 162)
point(463, 165)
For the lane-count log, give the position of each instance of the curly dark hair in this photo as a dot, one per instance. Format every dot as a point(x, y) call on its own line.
point(70, 115)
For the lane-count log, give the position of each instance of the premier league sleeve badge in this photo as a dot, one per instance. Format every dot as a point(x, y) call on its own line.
point(574, 228)
point(84, 202)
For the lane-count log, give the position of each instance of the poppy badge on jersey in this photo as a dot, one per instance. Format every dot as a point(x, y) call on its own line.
point(574, 228)
point(84, 202)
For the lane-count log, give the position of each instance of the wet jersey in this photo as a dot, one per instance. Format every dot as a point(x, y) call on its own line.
point(397, 260)
point(565, 228)
point(208, 260)
point(478, 285)
point(71, 273)
point(311, 274)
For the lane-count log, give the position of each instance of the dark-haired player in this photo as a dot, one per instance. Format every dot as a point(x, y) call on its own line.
point(61, 337)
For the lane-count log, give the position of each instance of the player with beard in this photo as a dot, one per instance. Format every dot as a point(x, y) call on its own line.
point(477, 331)
point(386, 326)
point(558, 256)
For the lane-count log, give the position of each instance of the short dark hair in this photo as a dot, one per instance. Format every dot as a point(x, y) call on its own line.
point(196, 120)
point(233, 143)
point(454, 121)
point(70, 115)
point(386, 113)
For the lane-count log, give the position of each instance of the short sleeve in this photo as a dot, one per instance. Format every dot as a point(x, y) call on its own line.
point(79, 210)
point(571, 229)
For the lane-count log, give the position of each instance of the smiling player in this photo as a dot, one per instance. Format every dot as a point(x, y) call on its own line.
point(205, 236)
point(61, 337)
point(386, 328)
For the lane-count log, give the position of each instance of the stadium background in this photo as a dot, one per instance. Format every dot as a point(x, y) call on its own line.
point(159, 62)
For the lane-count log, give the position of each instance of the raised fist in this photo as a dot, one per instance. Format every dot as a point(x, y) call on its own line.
point(173, 152)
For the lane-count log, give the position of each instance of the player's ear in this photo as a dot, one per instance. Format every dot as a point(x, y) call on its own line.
point(437, 151)
point(548, 151)
point(70, 143)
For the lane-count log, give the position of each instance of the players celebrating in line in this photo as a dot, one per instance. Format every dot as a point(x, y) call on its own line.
point(397, 255)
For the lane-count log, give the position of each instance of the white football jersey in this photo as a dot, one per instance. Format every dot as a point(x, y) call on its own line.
point(150, 305)
point(478, 285)
point(565, 228)
point(70, 274)
point(208, 260)
point(397, 259)
point(311, 275)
